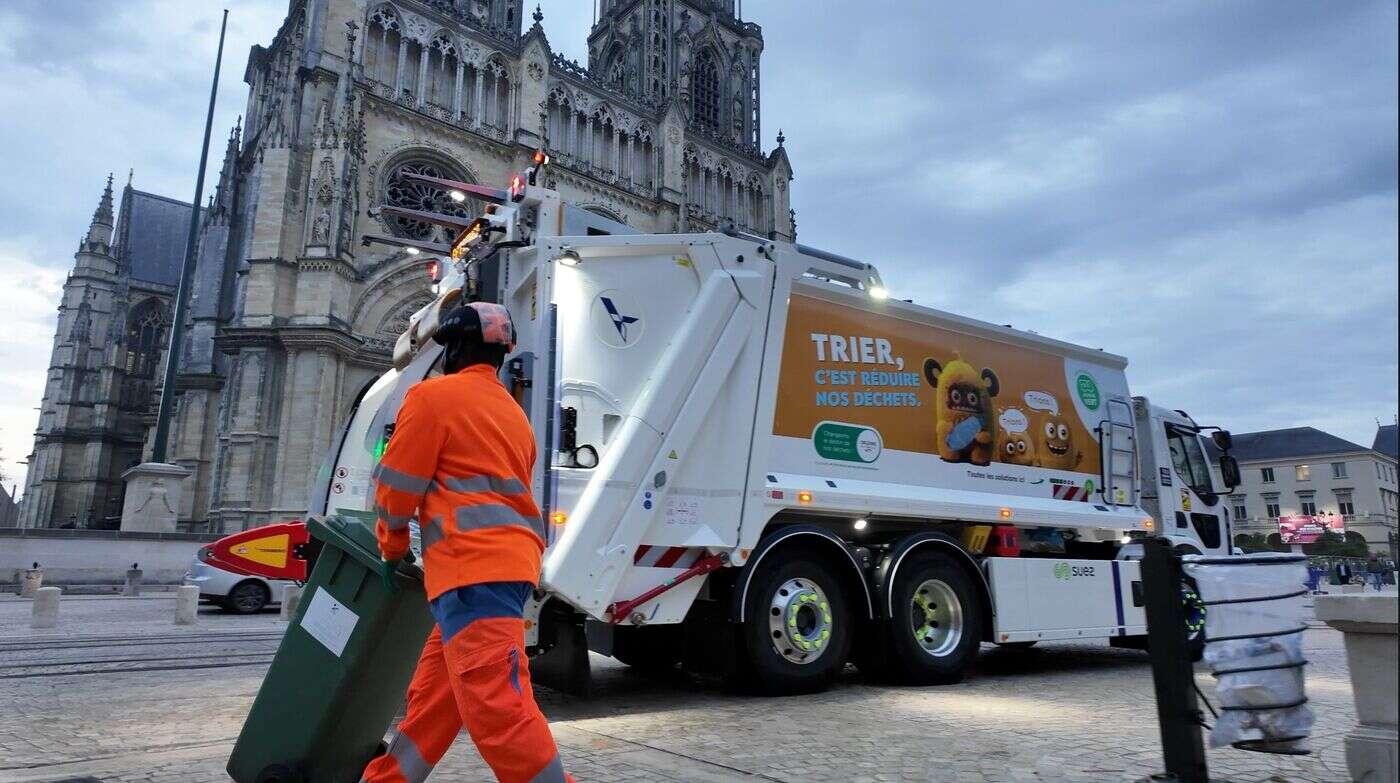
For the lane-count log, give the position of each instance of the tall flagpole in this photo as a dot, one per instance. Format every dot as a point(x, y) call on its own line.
point(182, 294)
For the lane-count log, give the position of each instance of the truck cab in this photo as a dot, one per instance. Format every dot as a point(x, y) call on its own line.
point(1180, 487)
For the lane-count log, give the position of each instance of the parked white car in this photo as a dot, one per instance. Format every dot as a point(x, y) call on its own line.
point(234, 592)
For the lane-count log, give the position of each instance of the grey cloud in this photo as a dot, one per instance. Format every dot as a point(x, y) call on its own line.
point(1228, 169)
point(1209, 188)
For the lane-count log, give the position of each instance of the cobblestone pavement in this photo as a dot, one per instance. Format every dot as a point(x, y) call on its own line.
point(138, 700)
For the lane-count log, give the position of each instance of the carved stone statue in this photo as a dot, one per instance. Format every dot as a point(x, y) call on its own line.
point(321, 229)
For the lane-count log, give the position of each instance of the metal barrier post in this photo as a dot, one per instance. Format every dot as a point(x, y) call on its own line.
point(1173, 677)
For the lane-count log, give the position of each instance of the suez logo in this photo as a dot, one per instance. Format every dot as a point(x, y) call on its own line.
point(617, 318)
point(1067, 571)
point(620, 321)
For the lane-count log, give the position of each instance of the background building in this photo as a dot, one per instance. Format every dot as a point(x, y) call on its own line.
point(290, 317)
point(107, 351)
point(9, 509)
point(1303, 470)
point(1385, 441)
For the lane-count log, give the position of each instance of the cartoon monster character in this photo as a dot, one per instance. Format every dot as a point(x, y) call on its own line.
point(962, 410)
point(1056, 448)
point(1017, 448)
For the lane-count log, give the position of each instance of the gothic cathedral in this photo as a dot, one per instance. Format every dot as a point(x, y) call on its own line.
point(290, 317)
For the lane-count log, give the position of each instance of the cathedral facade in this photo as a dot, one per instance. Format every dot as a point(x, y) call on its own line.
point(290, 317)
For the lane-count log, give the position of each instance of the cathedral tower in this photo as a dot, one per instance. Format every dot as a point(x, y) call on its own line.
point(110, 341)
point(697, 51)
point(290, 315)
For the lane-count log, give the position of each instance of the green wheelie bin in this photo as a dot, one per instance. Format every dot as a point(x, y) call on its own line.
point(342, 669)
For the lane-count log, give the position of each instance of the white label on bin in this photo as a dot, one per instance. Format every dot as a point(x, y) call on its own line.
point(329, 621)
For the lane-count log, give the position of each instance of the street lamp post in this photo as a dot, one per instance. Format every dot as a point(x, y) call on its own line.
point(154, 489)
point(182, 293)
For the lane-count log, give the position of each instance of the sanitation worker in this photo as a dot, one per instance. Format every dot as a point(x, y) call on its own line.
point(460, 460)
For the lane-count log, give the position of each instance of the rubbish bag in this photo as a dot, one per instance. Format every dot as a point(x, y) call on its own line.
point(1254, 645)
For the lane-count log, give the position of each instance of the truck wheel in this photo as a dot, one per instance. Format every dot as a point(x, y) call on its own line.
point(648, 649)
point(247, 597)
point(937, 626)
point(798, 631)
point(1195, 610)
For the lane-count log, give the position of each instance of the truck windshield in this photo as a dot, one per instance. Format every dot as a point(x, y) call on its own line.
point(1189, 459)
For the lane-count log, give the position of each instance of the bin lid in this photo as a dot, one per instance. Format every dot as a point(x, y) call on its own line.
point(349, 534)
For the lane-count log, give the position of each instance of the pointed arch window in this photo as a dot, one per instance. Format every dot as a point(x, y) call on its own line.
point(381, 51)
point(706, 90)
point(441, 89)
point(145, 336)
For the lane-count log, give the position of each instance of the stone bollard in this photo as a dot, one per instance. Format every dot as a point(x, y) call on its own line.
point(44, 613)
point(1369, 624)
point(291, 596)
point(186, 604)
point(30, 580)
point(132, 588)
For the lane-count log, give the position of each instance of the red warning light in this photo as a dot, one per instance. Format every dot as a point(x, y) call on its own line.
point(517, 188)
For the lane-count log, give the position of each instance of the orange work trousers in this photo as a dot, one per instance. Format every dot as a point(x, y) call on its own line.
point(479, 679)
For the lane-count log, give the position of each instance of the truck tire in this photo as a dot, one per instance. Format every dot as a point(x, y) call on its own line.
point(1195, 610)
point(652, 649)
point(937, 626)
point(798, 628)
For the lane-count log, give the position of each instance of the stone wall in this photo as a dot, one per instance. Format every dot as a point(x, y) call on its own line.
point(87, 557)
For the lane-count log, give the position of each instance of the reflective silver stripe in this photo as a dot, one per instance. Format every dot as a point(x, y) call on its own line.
point(403, 482)
point(430, 533)
point(392, 521)
point(553, 772)
point(493, 515)
point(412, 765)
point(501, 485)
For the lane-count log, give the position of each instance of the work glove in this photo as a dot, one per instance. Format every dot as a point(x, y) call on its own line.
point(386, 574)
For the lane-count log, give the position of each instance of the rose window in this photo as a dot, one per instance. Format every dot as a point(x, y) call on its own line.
point(407, 193)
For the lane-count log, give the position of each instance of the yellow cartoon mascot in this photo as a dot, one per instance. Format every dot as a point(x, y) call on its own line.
point(963, 410)
point(1056, 447)
point(1015, 448)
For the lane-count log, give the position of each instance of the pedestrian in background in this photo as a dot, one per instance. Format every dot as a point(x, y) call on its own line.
point(1376, 570)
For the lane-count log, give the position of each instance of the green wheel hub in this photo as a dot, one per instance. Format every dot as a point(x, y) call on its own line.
point(936, 617)
point(800, 621)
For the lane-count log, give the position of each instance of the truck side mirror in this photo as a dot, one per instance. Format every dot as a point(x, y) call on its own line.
point(1222, 439)
point(1229, 470)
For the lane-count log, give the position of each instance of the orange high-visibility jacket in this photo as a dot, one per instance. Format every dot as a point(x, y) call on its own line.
point(459, 461)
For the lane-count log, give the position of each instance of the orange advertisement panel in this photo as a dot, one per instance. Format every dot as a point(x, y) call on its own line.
point(861, 384)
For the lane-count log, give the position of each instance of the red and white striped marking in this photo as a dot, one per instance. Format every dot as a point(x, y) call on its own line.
point(1070, 492)
point(666, 556)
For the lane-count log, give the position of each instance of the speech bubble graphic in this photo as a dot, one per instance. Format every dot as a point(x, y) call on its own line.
point(1013, 420)
point(1040, 401)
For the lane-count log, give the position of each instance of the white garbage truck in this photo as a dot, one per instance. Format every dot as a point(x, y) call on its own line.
point(757, 462)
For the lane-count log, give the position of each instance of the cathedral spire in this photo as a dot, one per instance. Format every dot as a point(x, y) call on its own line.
point(231, 150)
point(103, 214)
point(100, 230)
point(221, 200)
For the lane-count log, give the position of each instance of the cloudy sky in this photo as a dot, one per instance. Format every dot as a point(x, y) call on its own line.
point(1208, 188)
